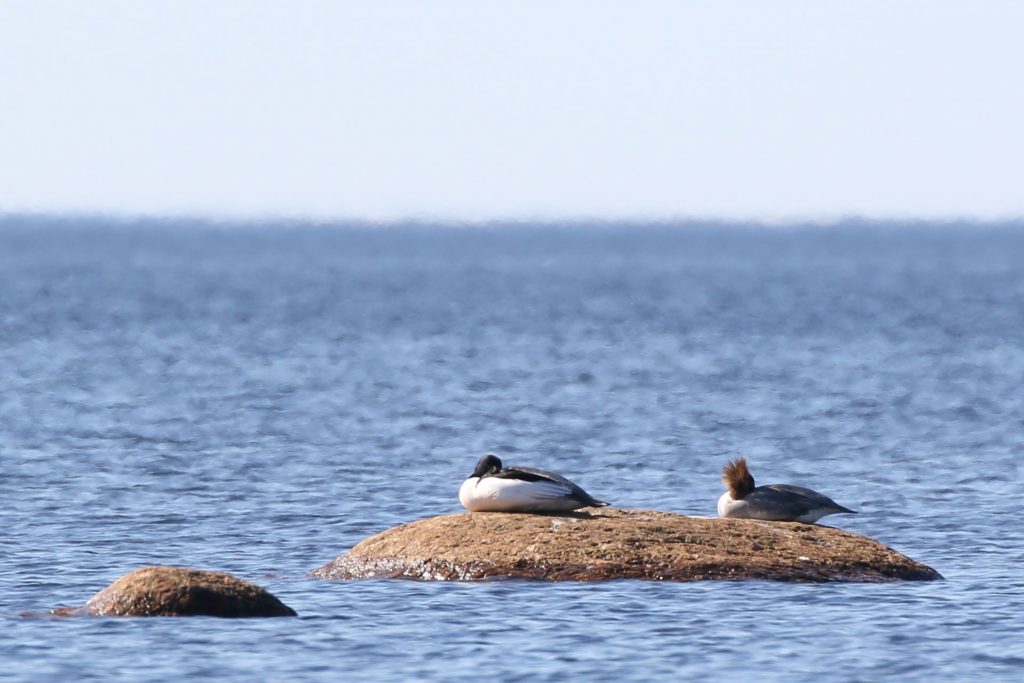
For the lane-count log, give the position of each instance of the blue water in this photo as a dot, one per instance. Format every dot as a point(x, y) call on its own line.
point(258, 399)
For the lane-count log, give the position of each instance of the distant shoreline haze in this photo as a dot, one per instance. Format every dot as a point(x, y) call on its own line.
point(86, 220)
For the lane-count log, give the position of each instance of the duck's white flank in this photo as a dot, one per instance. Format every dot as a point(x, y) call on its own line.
point(495, 494)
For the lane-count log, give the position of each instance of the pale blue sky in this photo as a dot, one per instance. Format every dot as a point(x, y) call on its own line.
point(477, 110)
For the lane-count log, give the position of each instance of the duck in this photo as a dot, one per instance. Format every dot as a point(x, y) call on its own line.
point(494, 488)
point(774, 502)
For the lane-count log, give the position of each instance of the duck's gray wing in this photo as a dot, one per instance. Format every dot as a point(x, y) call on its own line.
point(533, 474)
point(808, 498)
point(769, 502)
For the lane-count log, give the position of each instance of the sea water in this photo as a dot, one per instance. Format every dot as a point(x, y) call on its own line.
point(258, 399)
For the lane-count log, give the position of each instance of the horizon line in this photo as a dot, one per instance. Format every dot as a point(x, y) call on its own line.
point(242, 220)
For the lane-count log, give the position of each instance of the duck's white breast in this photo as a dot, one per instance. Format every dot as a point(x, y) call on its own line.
point(726, 505)
point(496, 494)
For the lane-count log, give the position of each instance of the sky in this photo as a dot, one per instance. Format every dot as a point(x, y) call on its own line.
point(442, 110)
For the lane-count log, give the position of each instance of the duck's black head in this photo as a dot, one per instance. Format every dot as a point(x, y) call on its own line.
point(489, 464)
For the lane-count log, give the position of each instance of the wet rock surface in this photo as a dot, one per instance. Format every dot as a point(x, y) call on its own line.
point(179, 592)
point(620, 544)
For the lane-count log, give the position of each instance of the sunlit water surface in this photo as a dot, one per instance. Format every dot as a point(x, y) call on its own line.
point(258, 400)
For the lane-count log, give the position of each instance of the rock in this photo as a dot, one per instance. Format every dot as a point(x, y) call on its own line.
point(620, 544)
point(180, 592)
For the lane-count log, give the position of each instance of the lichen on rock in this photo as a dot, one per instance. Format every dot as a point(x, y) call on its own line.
point(176, 592)
point(614, 543)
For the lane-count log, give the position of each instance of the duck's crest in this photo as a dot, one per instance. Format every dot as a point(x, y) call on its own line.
point(738, 478)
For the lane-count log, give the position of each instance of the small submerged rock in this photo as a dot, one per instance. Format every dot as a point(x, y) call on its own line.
point(180, 592)
point(620, 544)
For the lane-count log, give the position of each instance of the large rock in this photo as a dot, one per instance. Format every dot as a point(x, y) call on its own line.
point(620, 544)
point(180, 592)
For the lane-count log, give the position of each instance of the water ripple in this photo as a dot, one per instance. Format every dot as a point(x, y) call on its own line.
point(260, 401)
